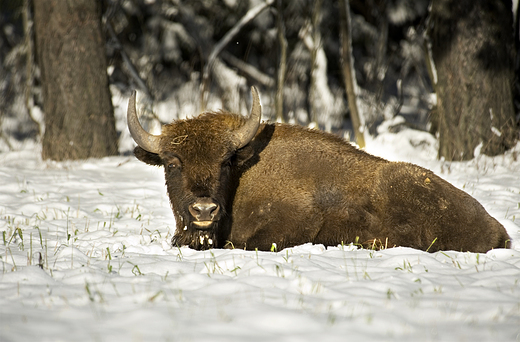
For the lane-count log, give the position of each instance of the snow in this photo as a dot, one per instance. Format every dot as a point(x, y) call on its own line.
point(100, 230)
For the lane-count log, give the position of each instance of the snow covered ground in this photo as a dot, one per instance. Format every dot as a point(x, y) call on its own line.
point(85, 256)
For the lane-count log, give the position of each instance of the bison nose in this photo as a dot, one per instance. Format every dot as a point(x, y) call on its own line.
point(204, 210)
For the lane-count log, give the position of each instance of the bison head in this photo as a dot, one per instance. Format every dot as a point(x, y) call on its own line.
point(199, 156)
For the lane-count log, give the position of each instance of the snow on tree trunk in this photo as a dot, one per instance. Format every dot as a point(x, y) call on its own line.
point(325, 107)
point(232, 86)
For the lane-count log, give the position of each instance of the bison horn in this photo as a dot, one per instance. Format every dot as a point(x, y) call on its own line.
point(145, 140)
point(246, 133)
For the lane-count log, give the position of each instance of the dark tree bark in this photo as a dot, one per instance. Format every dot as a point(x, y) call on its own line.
point(472, 48)
point(70, 45)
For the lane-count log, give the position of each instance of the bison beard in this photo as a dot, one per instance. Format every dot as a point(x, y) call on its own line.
point(233, 182)
point(196, 239)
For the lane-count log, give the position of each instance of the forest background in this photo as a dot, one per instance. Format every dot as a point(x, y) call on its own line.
point(447, 67)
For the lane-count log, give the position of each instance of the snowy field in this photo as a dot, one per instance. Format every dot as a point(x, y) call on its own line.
point(85, 256)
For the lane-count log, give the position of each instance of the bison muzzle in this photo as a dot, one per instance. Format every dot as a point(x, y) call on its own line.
point(236, 183)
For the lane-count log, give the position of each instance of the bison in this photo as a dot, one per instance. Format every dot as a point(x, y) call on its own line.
point(234, 182)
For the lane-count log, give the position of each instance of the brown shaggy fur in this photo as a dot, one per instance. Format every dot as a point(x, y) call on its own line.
point(292, 185)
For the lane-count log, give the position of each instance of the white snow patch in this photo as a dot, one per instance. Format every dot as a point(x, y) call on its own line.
point(100, 229)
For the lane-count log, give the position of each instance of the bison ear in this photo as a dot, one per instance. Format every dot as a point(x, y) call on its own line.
point(243, 154)
point(147, 157)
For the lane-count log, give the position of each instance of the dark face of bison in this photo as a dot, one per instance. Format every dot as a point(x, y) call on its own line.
point(199, 156)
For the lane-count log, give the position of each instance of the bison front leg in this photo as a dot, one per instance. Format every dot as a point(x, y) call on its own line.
point(260, 224)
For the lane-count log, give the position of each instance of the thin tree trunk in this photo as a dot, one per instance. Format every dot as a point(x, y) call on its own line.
point(316, 45)
point(79, 119)
point(349, 73)
point(29, 62)
point(472, 48)
point(283, 62)
point(382, 43)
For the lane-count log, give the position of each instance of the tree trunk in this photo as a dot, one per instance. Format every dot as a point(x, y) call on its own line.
point(472, 48)
point(280, 27)
point(349, 73)
point(70, 45)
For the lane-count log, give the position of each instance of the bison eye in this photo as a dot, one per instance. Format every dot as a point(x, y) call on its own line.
point(174, 164)
point(228, 163)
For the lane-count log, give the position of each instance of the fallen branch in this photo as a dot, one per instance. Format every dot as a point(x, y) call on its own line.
point(248, 69)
